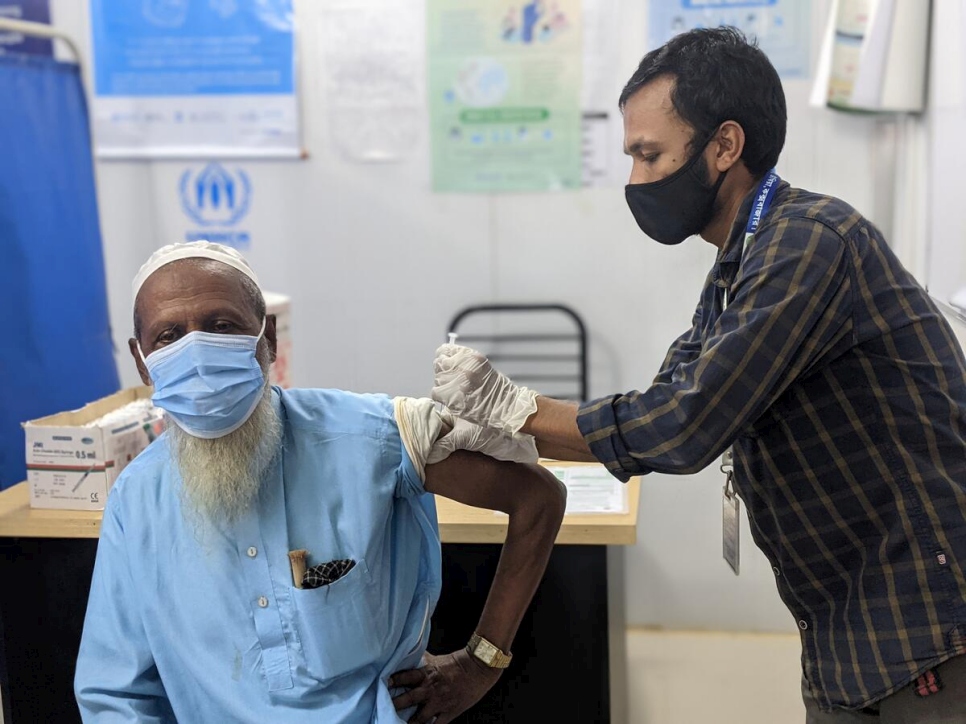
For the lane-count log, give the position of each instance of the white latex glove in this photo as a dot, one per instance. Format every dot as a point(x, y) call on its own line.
point(465, 435)
point(471, 388)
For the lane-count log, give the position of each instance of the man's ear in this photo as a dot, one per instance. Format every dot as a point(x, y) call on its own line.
point(730, 141)
point(132, 345)
point(270, 336)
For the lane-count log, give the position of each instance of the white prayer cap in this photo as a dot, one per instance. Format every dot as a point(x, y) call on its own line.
point(191, 250)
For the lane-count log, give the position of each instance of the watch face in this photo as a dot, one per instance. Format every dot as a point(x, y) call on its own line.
point(486, 652)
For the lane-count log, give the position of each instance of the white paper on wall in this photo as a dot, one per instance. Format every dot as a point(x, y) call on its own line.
point(602, 128)
point(596, 127)
point(372, 53)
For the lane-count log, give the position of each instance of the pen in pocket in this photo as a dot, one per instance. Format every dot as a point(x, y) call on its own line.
point(297, 560)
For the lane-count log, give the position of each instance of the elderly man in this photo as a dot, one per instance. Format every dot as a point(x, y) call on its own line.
point(274, 557)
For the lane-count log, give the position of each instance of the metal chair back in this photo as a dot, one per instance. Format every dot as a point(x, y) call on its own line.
point(542, 346)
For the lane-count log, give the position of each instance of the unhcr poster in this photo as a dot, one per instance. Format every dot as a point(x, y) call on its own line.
point(174, 78)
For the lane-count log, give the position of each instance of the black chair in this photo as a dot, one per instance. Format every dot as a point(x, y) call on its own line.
point(543, 346)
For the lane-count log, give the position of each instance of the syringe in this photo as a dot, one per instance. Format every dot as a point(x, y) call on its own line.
point(452, 337)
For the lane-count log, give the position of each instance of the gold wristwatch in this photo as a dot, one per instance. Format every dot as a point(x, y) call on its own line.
point(487, 652)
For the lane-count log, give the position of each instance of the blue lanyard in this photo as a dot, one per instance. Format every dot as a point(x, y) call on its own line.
point(763, 199)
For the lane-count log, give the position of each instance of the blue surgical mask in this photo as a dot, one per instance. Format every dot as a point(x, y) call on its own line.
point(209, 383)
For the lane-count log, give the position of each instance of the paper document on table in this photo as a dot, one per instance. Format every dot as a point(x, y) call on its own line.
point(592, 490)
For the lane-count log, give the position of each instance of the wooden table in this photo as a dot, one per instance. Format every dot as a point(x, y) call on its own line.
point(458, 523)
point(571, 639)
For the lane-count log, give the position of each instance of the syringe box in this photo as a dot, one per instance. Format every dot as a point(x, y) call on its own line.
point(71, 464)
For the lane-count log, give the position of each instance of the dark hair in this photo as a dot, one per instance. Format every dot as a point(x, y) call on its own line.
point(252, 292)
point(720, 76)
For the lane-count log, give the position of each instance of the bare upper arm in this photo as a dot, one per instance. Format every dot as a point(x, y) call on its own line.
point(478, 480)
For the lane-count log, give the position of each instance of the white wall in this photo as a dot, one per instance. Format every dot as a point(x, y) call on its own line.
point(376, 264)
point(947, 111)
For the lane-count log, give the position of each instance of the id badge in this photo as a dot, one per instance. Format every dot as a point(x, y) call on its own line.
point(730, 514)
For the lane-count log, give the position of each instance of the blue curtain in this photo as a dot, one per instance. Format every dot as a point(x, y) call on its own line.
point(55, 341)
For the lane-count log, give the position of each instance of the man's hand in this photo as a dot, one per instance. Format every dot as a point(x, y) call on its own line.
point(444, 687)
point(467, 384)
point(465, 435)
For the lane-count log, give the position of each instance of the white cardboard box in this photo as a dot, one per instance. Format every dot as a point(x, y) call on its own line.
point(73, 467)
point(281, 306)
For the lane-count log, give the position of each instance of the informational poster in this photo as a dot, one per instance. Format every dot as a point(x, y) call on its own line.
point(174, 78)
point(504, 94)
point(782, 27)
point(35, 11)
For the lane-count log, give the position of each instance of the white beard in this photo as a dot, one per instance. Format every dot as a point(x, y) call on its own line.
point(221, 477)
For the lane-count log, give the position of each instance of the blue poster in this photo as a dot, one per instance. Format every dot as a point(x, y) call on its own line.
point(782, 27)
point(36, 11)
point(192, 77)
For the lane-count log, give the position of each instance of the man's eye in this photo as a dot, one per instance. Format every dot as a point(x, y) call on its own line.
point(222, 326)
point(650, 158)
point(166, 337)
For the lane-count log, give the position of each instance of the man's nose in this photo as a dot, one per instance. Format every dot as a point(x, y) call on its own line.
point(637, 173)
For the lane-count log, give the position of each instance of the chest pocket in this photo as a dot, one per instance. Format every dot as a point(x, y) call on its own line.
point(343, 626)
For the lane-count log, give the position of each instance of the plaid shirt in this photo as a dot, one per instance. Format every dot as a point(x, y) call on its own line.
point(843, 391)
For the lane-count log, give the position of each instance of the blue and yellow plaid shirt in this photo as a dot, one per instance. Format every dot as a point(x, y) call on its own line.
point(843, 390)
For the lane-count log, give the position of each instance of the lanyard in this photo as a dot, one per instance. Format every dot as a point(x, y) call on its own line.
point(763, 198)
point(764, 195)
point(731, 506)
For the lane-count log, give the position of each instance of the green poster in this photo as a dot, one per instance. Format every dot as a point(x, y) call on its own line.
point(504, 94)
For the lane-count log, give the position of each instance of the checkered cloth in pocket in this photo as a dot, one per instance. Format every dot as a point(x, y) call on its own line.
point(326, 573)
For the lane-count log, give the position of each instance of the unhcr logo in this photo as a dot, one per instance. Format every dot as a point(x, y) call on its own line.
point(215, 196)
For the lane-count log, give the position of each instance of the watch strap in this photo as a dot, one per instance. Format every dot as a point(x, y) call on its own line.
point(487, 652)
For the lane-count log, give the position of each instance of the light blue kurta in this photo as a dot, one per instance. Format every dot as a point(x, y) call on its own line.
point(209, 627)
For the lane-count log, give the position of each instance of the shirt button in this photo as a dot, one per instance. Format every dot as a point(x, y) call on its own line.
point(262, 602)
point(803, 624)
point(252, 552)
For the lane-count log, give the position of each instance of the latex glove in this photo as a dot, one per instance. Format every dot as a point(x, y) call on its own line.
point(465, 435)
point(467, 384)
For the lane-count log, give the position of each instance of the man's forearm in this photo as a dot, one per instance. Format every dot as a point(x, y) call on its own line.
point(531, 533)
point(535, 501)
point(554, 425)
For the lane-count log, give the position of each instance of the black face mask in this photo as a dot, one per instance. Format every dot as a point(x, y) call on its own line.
point(676, 207)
